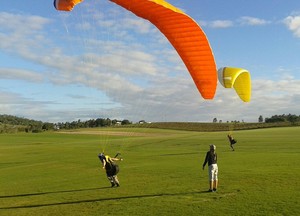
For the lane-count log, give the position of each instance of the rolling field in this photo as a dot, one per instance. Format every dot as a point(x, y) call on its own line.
point(60, 174)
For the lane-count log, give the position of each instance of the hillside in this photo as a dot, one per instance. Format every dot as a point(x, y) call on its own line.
point(14, 124)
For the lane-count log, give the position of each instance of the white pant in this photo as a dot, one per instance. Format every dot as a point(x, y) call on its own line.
point(213, 172)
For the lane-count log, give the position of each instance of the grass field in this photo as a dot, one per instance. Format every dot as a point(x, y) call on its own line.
point(60, 174)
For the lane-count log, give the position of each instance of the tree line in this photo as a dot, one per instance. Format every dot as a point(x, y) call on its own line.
point(9, 123)
point(283, 118)
point(92, 123)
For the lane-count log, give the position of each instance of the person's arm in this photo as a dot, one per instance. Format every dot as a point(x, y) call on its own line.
point(103, 164)
point(205, 161)
point(116, 159)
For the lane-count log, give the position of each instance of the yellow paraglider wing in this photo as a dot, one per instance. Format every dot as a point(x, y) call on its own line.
point(236, 78)
point(184, 34)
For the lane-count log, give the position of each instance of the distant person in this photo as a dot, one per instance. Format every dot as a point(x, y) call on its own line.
point(211, 159)
point(111, 168)
point(232, 141)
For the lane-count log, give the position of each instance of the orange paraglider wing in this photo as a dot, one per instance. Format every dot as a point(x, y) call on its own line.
point(184, 34)
point(65, 5)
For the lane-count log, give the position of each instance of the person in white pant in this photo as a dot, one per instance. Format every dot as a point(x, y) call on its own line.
point(211, 159)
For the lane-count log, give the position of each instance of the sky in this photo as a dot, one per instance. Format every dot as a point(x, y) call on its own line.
point(102, 61)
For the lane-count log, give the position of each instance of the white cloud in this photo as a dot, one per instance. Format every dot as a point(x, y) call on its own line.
point(221, 24)
point(138, 25)
point(245, 20)
point(16, 104)
point(253, 21)
point(22, 23)
point(21, 34)
point(293, 24)
point(20, 74)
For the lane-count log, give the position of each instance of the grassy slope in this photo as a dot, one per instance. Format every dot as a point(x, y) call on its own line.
point(59, 174)
point(211, 127)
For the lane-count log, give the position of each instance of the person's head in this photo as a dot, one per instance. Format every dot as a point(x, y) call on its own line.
point(212, 148)
point(101, 156)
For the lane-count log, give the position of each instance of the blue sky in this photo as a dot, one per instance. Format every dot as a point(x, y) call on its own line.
point(101, 61)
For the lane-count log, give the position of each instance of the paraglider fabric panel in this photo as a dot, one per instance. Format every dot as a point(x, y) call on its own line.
point(242, 86)
point(65, 5)
point(236, 78)
point(186, 37)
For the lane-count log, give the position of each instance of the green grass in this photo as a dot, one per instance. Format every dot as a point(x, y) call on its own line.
point(60, 174)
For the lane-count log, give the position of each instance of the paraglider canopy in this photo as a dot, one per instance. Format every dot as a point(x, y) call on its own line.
point(66, 5)
point(237, 78)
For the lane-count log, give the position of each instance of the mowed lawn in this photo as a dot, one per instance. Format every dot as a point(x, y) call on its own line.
point(60, 174)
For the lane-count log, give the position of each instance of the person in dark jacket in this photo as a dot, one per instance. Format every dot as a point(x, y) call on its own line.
point(211, 159)
point(232, 141)
point(111, 168)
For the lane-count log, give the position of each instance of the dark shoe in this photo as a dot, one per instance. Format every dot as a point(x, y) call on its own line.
point(215, 189)
point(112, 184)
point(118, 185)
point(210, 190)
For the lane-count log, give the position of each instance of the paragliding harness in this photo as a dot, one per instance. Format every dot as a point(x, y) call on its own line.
point(232, 140)
point(111, 167)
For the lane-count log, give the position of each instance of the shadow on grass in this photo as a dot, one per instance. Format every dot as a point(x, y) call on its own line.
point(94, 200)
point(51, 192)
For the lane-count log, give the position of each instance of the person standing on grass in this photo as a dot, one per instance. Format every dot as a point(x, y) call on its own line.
point(211, 159)
point(111, 168)
point(231, 141)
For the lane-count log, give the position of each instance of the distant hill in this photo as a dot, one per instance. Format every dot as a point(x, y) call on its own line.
point(14, 120)
point(13, 124)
